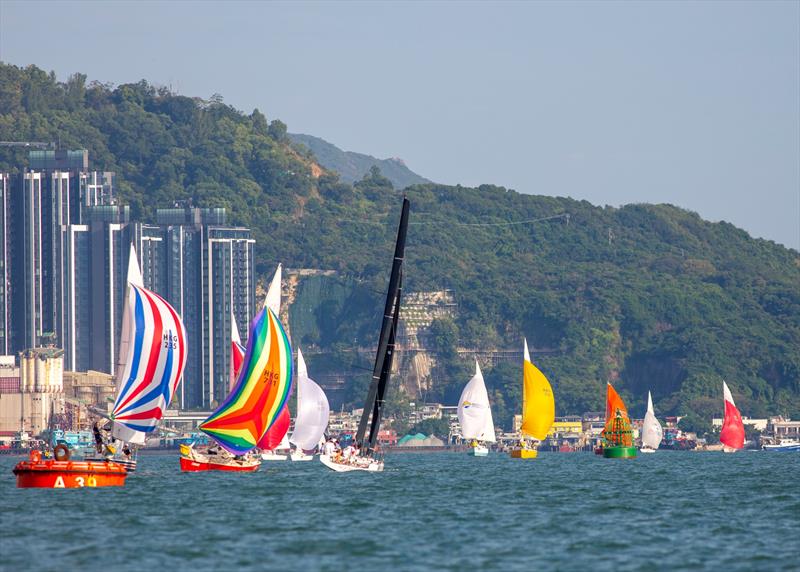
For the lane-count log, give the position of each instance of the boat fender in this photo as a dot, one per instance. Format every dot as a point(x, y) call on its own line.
point(35, 456)
point(61, 452)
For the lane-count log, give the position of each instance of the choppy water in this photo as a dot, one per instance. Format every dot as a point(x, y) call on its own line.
point(447, 511)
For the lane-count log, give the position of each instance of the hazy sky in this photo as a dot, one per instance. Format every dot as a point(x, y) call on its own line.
point(695, 104)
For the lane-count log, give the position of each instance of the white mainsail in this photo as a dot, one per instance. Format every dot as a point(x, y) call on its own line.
point(313, 409)
point(651, 428)
point(474, 411)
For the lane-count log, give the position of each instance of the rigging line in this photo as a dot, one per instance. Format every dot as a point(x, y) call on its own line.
point(452, 223)
point(509, 223)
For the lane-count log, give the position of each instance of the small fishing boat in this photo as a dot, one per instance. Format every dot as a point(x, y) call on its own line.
point(368, 458)
point(617, 433)
point(652, 433)
point(259, 396)
point(732, 434)
point(152, 356)
point(313, 412)
point(475, 415)
point(538, 408)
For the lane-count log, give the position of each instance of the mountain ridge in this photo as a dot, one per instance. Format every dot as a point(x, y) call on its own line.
point(352, 166)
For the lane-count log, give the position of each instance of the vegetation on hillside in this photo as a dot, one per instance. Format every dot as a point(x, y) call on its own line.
point(645, 296)
point(353, 166)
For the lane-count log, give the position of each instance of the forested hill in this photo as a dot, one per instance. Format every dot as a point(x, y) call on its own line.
point(646, 296)
point(353, 166)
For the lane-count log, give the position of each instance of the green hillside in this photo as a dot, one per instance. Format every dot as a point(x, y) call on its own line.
point(646, 296)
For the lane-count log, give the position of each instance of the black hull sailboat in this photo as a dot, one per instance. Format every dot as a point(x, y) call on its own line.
point(368, 458)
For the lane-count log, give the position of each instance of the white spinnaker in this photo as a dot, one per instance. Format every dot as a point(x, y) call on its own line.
point(651, 428)
point(474, 412)
point(313, 409)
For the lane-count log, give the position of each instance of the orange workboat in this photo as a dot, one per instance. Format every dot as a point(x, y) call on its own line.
point(61, 473)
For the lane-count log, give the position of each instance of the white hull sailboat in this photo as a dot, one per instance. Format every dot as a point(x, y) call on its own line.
point(367, 464)
point(313, 411)
point(475, 415)
point(652, 433)
point(298, 455)
point(478, 451)
point(369, 426)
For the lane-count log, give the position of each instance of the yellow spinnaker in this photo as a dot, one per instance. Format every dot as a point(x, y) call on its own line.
point(538, 404)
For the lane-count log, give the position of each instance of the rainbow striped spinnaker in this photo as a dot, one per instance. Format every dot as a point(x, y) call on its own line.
point(263, 385)
point(152, 355)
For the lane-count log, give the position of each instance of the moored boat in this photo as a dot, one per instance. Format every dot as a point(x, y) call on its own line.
point(538, 408)
point(475, 415)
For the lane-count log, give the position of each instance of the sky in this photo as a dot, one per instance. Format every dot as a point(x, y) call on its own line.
point(696, 104)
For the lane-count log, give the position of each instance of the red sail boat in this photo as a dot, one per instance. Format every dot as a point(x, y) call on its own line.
point(732, 434)
point(275, 439)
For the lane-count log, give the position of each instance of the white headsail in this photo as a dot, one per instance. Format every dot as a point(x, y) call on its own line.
point(651, 428)
point(474, 412)
point(313, 409)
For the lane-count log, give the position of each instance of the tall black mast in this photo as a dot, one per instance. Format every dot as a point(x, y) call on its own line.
point(380, 374)
point(377, 410)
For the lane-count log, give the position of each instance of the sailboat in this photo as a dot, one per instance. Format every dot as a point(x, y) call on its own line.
point(274, 444)
point(368, 459)
point(313, 411)
point(253, 406)
point(152, 356)
point(732, 434)
point(651, 429)
point(617, 433)
point(475, 415)
point(538, 407)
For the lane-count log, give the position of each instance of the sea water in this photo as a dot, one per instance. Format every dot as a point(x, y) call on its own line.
point(442, 511)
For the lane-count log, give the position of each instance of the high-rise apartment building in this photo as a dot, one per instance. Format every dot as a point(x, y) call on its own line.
point(64, 248)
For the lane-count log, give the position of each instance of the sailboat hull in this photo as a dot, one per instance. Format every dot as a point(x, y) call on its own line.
point(619, 452)
point(524, 453)
point(192, 466)
point(193, 461)
point(270, 456)
point(478, 451)
point(300, 456)
point(372, 467)
point(647, 450)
